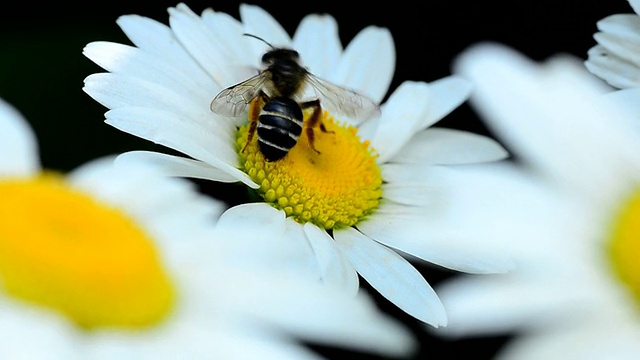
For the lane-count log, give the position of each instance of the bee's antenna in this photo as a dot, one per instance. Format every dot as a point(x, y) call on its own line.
point(259, 38)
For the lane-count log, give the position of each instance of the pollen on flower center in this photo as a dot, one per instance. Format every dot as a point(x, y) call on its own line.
point(64, 250)
point(334, 188)
point(624, 245)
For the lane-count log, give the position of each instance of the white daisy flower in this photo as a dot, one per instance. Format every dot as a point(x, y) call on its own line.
point(616, 58)
point(120, 262)
point(373, 191)
point(569, 214)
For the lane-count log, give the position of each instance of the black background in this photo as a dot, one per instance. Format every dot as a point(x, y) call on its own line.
point(42, 70)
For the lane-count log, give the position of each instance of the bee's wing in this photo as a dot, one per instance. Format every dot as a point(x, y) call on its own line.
point(343, 101)
point(233, 100)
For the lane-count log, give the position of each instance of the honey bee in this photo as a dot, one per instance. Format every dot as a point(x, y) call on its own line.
point(282, 84)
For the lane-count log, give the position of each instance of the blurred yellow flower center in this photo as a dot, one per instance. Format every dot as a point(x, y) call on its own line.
point(624, 246)
point(334, 188)
point(66, 251)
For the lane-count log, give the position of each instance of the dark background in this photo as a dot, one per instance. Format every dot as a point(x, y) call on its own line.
point(42, 70)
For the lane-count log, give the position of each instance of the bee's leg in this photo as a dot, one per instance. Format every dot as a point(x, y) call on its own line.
point(254, 116)
point(252, 129)
point(314, 119)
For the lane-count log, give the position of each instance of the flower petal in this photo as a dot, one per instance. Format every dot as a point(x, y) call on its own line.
point(260, 23)
point(499, 304)
point(357, 65)
point(335, 268)
point(159, 40)
point(207, 49)
point(177, 133)
point(627, 99)
point(615, 71)
point(179, 166)
point(393, 276)
point(570, 137)
point(170, 208)
point(18, 145)
point(225, 27)
point(116, 91)
point(281, 242)
point(328, 316)
point(620, 34)
point(582, 342)
point(318, 43)
point(635, 4)
point(19, 325)
point(446, 95)
point(433, 231)
point(440, 146)
point(413, 107)
point(135, 63)
point(406, 107)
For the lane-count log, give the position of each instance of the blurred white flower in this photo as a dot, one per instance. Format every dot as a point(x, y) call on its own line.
point(123, 262)
point(377, 191)
point(568, 213)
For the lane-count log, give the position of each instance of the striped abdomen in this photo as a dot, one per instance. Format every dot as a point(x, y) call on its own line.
point(279, 126)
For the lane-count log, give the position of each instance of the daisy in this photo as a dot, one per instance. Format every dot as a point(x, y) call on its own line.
point(568, 214)
point(616, 58)
point(374, 193)
point(121, 262)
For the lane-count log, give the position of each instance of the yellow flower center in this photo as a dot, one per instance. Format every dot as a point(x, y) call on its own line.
point(336, 187)
point(624, 246)
point(63, 250)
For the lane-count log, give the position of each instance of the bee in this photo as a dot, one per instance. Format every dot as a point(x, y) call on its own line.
point(287, 89)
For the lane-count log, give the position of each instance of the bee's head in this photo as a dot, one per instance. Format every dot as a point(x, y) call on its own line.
point(276, 54)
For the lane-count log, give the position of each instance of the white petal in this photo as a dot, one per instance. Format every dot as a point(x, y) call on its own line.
point(619, 46)
point(275, 242)
point(23, 326)
point(18, 144)
point(335, 268)
point(260, 23)
point(440, 146)
point(413, 107)
point(635, 4)
point(436, 241)
point(179, 133)
point(615, 71)
point(170, 210)
point(206, 49)
point(406, 107)
point(493, 304)
point(158, 40)
point(318, 43)
point(621, 25)
point(116, 91)
point(627, 99)
point(590, 341)
point(433, 231)
point(446, 95)
point(252, 216)
point(328, 316)
point(357, 65)
point(562, 127)
point(620, 34)
point(230, 32)
point(393, 276)
point(135, 63)
point(180, 166)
